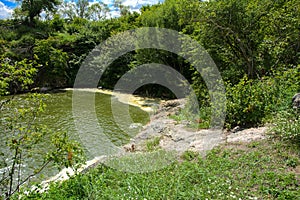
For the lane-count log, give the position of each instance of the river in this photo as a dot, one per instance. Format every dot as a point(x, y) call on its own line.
point(58, 116)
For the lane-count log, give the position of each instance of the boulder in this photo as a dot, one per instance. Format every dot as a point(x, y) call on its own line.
point(296, 101)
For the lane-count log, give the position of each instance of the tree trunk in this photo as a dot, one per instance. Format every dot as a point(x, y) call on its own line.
point(31, 20)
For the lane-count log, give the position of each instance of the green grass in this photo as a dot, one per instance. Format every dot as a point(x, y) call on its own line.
point(153, 144)
point(200, 121)
point(287, 125)
point(266, 170)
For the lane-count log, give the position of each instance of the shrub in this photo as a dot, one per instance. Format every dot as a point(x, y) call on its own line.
point(251, 101)
point(248, 101)
point(57, 23)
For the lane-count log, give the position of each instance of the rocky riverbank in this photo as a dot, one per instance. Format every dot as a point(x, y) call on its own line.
point(174, 136)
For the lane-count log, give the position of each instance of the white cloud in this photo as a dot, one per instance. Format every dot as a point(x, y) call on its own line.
point(139, 3)
point(13, 1)
point(107, 2)
point(113, 14)
point(134, 5)
point(5, 12)
point(130, 3)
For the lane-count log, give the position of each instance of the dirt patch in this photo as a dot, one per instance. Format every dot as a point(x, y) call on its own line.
point(247, 135)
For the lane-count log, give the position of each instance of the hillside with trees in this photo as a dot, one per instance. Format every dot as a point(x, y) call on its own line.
point(254, 43)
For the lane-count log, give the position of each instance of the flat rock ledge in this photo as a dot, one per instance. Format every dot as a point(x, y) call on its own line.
point(174, 136)
point(171, 136)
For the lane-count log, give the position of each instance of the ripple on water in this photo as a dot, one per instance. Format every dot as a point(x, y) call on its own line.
point(58, 117)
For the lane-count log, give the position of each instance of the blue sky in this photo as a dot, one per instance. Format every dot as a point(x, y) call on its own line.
point(7, 6)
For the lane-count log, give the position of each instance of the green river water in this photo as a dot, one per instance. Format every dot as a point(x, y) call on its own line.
point(58, 116)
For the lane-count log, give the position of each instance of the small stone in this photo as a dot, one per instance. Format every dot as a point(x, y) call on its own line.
point(135, 125)
point(236, 129)
point(177, 139)
point(185, 122)
point(296, 101)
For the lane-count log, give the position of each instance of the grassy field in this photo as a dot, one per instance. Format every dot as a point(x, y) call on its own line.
point(268, 169)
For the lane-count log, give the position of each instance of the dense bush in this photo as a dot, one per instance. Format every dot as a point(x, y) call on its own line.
point(251, 101)
point(54, 64)
point(16, 76)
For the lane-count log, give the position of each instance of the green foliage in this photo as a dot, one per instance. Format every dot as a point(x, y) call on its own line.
point(82, 9)
point(19, 14)
point(255, 45)
point(195, 114)
point(76, 25)
point(287, 125)
point(54, 64)
point(251, 101)
point(153, 144)
point(200, 89)
point(21, 132)
point(244, 37)
point(23, 136)
point(190, 155)
point(6, 33)
point(57, 23)
point(279, 25)
point(32, 8)
point(259, 172)
point(16, 76)
point(124, 10)
point(162, 15)
point(2, 46)
point(22, 48)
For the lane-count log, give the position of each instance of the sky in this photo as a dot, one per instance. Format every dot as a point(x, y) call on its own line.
point(7, 6)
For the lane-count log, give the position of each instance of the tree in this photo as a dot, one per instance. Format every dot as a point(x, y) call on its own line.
point(53, 64)
point(124, 10)
point(164, 16)
point(33, 8)
point(97, 11)
point(83, 9)
point(244, 36)
point(281, 44)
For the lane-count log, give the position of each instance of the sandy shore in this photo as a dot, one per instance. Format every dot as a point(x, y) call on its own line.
point(144, 103)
